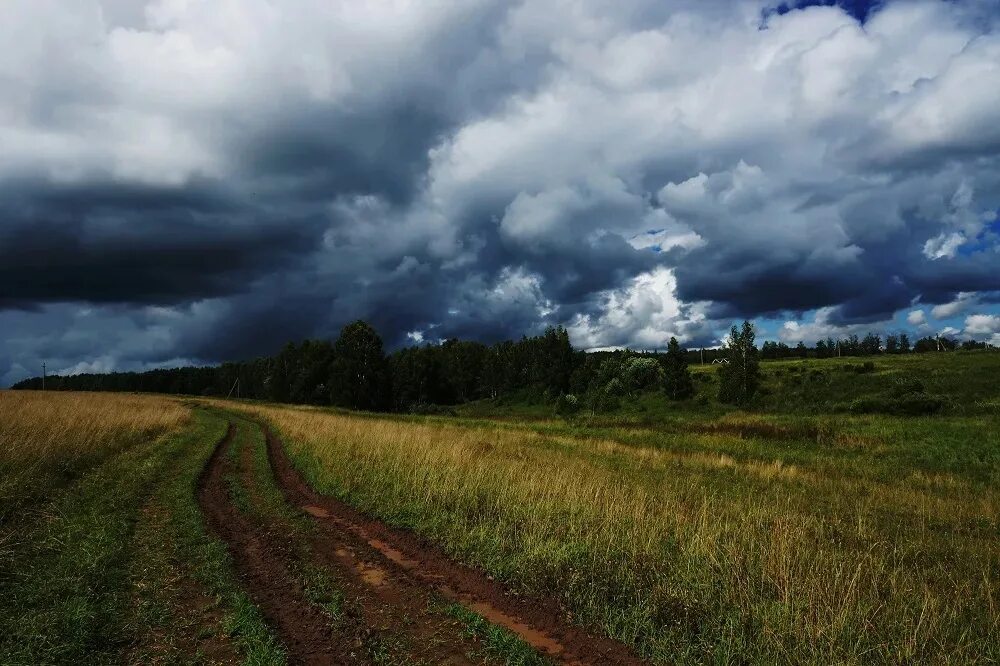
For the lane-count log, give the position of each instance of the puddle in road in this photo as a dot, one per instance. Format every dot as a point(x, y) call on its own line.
point(393, 554)
point(317, 511)
point(372, 575)
point(536, 639)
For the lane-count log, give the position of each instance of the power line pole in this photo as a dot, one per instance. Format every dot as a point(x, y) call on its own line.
point(43, 375)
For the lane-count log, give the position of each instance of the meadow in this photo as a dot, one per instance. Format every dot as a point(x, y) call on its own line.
point(820, 526)
point(799, 533)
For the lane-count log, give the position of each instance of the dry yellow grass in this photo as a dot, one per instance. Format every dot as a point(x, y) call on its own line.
point(693, 556)
point(46, 437)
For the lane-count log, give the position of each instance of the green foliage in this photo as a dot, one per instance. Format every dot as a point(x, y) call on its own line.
point(359, 374)
point(641, 374)
point(676, 378)
point(906, 397)
point(606, 399)
point(740, 376)
point(567, 405)
point(615, 387)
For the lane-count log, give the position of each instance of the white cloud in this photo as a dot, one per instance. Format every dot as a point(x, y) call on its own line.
point(916, 318)
point(822, 328)
point(644, 314)
point(944, 245)
point(962, 302)
point(982, 324)
point(808, 151)
point(949, 332)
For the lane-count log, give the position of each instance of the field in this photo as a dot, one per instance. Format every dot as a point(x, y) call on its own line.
point(827, 525)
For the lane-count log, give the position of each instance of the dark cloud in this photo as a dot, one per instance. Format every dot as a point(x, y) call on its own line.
point(182, 186)
point(127, 244)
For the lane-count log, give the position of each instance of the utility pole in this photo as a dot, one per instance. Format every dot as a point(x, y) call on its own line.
point(703, 356)
point(43, 375)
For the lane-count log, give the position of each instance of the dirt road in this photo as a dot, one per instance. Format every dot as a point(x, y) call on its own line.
point(384, 596)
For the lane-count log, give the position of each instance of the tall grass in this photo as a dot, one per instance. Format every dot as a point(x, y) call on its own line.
point(48, 438)
point(690, 553)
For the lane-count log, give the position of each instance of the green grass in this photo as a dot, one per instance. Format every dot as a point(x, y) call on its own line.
point(966, 379)
point(697, 533)
point(205, 558)
point(70, 583)
point(500, 646)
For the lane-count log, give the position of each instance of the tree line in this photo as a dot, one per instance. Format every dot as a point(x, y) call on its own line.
point(355, 372)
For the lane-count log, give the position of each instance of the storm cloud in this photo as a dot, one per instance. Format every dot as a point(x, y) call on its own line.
point(189, 181)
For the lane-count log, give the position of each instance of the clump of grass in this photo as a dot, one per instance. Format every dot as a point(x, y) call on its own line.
point(50, 438)
point(499, 645)
point(689, 545)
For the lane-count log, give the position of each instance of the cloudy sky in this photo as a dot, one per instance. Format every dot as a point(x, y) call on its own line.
point(188, 181)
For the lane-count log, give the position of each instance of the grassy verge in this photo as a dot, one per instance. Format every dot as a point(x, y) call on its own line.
point(94, 578)
point(50, 440)
point(204, 562)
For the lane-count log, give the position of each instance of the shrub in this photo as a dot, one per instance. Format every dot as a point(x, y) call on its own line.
point(642, 374)
point(428, 409)
point(604, 401)
point(905, 386)
point(567, 405)
point(910, 404)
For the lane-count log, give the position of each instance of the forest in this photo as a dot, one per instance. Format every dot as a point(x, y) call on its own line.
point(354, 371)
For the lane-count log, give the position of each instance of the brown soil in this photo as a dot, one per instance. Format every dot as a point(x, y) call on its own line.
point(411, 562)
point(392, 581)
point(381, 618)
point(262, 563)
point(386, 612)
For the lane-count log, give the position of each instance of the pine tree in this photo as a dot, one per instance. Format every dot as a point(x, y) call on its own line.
point(741, 374)
point(677, 379)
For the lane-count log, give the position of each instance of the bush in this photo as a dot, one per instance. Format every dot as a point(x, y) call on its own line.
point(567, 405)
point(910, 404)
point(427, 409)
point(642, 374)
point(906, 397)
point(604, 401)
point(906, 386)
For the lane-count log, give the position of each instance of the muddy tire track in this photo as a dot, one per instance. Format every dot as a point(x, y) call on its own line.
point(262, 564)
point(411, 562)
point(386, 618)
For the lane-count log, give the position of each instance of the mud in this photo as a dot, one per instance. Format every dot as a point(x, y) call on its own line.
point(382, 619)
point(262, 563)
point(399, 557)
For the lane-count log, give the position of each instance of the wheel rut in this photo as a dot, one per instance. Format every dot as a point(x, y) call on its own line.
point(392, 588)
point(386, 556)
point(262, 564)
